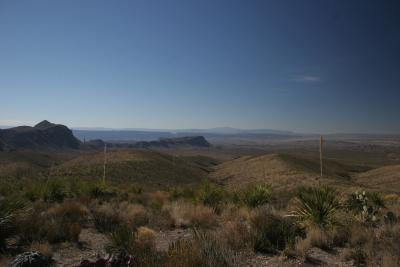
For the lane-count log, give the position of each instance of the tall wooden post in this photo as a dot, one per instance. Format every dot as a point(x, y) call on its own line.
point(105, 162)
point(321, 141)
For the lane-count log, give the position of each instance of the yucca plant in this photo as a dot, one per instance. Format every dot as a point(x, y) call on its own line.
point(8, 211)
point(317, 206)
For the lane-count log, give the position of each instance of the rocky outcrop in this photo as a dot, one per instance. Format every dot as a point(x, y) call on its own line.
point(43, 135)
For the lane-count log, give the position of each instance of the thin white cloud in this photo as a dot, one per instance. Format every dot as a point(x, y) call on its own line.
point(307, 78)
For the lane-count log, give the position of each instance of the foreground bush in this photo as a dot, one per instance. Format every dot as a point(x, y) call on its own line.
point(61, 222)
point(204, 251)
point(272, 232)
point(317, 206)
point(186, 214)
point(134, 248)
point(8, 212)
point(256, 195)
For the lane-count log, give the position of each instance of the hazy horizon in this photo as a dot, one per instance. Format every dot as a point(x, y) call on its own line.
point(307, 67)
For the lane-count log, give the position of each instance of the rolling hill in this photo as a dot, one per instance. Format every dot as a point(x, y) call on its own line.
point(148, 169)
point(281, 171)
point(382, 179)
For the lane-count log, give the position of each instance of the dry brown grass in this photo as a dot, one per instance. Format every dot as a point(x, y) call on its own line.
point(187, 214)
point(146, 237)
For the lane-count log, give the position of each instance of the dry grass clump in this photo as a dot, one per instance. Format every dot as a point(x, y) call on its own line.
point(134, 215)
point(272, 232)
point(236, 235)
point(105, 217)
point(187, 214)
point(204, 250)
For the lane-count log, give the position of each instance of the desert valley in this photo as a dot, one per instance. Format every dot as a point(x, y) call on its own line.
point(252, 199)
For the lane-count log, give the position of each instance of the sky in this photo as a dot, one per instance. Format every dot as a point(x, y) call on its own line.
point(306, 66)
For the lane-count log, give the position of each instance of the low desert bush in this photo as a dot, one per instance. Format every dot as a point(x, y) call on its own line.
point(186, 214)
point(272, 232)
point(210, 194)
point(184, 192)
point(367, 205)
point(138, 246)
point(54, 191)
point(9, 209)
point(61, 222)
point(105, 217)
point(256, 195)
point(317, 206)
point(205, 250)
point(235, 234)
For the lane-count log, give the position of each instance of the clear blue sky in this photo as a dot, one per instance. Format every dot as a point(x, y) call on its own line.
point(308, 66)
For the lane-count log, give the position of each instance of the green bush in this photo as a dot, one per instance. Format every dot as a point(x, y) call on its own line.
point(367, 205)
point(210, 194)
point(272, 232)
point(182, 192)
point(317, 206)
point(256, 195)
point(54, 191)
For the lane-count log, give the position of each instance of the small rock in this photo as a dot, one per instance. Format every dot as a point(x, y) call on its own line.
point(31, 259)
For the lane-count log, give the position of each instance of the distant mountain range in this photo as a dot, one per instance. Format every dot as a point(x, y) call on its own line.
point(152, 134)
point(47, 135)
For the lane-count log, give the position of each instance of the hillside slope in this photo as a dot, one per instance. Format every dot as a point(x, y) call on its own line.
point(383, 179)
point(147, 169)
point(281, 171)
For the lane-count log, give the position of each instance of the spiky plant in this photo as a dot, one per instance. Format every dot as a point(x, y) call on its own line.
point(8, 211)
point(317, 206)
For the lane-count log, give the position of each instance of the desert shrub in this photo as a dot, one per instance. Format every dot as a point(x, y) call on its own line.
point(235, 234)
point(367, 205)
point(186, 214)
point(210, 194)
point(182, 192)
point(203, 251)
point(215, 253)
point(105, 218)
point(272, 232)
point(317, 206)
point(256, 195)
point(138, 246)
point(133, 215)
point(54, 191)
point(9, 210)
point(59, 223)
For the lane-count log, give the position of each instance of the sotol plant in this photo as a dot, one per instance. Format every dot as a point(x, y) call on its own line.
point(317, 206)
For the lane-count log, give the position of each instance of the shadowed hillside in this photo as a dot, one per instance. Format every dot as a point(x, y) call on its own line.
point(144, 168)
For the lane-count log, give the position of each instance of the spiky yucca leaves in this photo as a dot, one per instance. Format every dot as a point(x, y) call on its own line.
point(8, 211)
point(317, 206)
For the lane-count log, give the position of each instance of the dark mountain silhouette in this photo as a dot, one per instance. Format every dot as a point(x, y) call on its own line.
point(195, 141)
point(42, 136)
